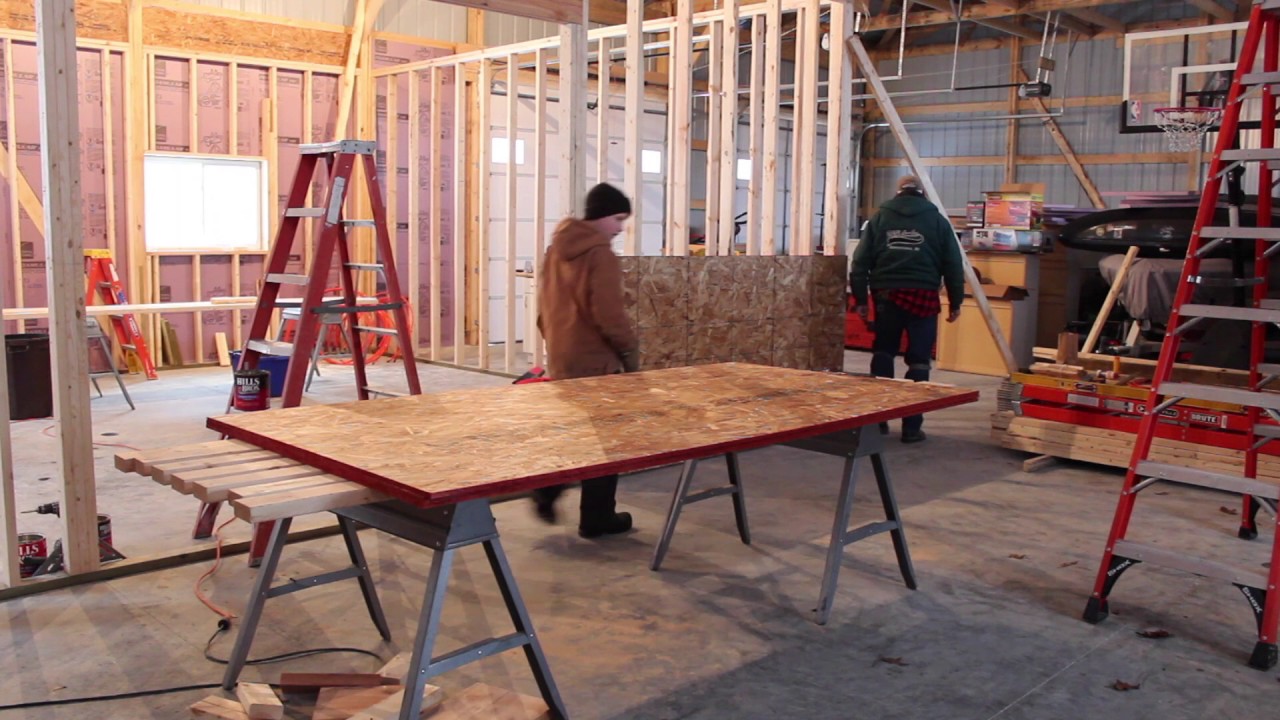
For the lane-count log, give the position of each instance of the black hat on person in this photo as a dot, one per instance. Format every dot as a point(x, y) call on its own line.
point(604, 200)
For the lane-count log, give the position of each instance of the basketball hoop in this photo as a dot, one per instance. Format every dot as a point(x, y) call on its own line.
point(1185, 126)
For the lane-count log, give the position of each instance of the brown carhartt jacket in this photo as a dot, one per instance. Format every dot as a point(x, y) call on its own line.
point(580, 307)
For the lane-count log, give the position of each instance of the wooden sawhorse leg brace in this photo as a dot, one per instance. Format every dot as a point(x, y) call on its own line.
point(444, 530)
point(852, 445)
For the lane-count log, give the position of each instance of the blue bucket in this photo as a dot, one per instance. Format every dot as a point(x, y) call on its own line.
point(275, 366)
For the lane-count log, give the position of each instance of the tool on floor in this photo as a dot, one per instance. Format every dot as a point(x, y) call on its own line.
point(1120, 554)
point(314, 309)
point(36, 562)
point(104, 284)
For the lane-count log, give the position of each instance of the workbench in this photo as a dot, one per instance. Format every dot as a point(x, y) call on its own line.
point(425, 468)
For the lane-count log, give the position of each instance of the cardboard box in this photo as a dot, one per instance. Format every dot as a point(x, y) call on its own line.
point(1006, 240)
point(975, 215)
point(1013, 210)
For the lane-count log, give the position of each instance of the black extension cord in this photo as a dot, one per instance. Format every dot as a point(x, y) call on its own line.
point(223, 626)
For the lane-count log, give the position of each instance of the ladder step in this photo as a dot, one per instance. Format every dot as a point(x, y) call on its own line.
point(1241, 233)
point(378, 330)
point(360, 223)
point(358, 147)
point(275, 348)
point(346, 310)
point(1214, 393)
point(1261, 78)
point(1252, 155)
point(304, 212)
point(1216, 481)
point(387, 393)
point(1226, 312)
point(288, 278)
point(1193, 565)
point(363, 266)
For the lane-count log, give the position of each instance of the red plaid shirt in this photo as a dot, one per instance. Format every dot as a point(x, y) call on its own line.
point(921, 303)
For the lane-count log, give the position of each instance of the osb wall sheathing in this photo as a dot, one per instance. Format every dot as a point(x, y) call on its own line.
point(95, 19)
point(218, 34)
point(782, 311)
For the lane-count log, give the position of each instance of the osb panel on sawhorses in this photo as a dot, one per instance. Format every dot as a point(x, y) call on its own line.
point(442, 448)
point(95, 19)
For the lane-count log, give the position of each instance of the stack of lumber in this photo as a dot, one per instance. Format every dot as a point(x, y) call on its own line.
point(1114, 448)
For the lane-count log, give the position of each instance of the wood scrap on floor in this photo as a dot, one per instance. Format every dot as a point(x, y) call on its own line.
point(219, 707)
point(259, 701)
point(314, 682)
point(397, 667)
point(1038, 463)
point(224, 355)
point(340, 703)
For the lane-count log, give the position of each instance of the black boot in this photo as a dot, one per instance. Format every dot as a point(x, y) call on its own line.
point(597, 509)
point(544, 503)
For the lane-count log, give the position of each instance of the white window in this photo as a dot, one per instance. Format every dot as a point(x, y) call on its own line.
point(744, 168)
point(651, 162)
point(201, 203)
point(500, 151)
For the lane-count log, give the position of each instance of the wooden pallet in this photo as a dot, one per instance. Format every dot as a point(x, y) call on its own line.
point(1114, 448)
point(261, 485)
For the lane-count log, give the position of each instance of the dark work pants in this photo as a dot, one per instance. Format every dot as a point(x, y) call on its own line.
point(598, 502)
point(891, 323)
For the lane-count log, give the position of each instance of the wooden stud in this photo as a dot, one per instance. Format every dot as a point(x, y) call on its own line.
point(12, 174)
point(435, 197)
point(259, 701)
point(64, 250)
point(604, 74)
point(511, 212)
point(729, 130)
point(461, 118)
point(1113, 294)
point(109, 152)
point(414, 182)
point(308, 118)
point(681, 120)
point(197, 295)
point(224, 353)
point(365, 11)
point(854, 44)
point(769, 186)
point(472, 185)
point(272, 151)
point(805, 124)
point(634, 137)
point(715, 106)
point(540, 185)
point(219, 707)
point(475, 26)
point(573, 106)
point(481, 267)
point(10, 570)
point(392, 189)
point(756, 124)
point(839, 131)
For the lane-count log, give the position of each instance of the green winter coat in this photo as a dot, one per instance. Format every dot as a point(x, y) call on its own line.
point(909, 244)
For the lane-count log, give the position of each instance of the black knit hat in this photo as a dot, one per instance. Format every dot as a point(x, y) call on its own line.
point(604, 200)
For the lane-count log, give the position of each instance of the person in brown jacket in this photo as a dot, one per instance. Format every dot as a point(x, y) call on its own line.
point(582, 318)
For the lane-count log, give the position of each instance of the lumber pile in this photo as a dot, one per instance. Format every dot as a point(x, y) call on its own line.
point(1110, 447)
point(367, 696)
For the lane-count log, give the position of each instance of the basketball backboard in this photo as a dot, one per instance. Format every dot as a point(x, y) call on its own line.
point(1187, 67)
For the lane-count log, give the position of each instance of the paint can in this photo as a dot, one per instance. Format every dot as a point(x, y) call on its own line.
point(252, 390)
point(31, 545)
point(104, 529)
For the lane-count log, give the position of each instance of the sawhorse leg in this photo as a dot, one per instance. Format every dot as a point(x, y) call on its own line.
point(262, 591)
point(864, 444)
point(681, 497)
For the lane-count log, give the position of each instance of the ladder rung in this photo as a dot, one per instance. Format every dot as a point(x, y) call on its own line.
point(288, 278)
point(129, 347)
point(359, 147)
point(1252, 155)
point(377, 330)
point(359, 223)
point(1216, 481)
point(347, 310)
point(388, 393)
point(1226, 312)
point(364, 266)
point(1261, 78)
point(1214, 393)
point(1241, 233)
point(1193, 565)
point(304, 212)
point(276, 348)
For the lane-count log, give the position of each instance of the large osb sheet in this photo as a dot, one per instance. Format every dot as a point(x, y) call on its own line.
point(442, 448)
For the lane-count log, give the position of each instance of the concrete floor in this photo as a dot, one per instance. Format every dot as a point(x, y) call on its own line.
point(1005, 561)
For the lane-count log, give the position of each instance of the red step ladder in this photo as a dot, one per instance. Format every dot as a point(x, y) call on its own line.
point(340, 158)
point(1258, 586)
point(103, 288)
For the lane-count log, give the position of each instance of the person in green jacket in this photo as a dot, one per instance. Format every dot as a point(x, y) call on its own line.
point(907, 250)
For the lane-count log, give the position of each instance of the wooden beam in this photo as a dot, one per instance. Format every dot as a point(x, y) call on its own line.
point(985, 12)
point(769, 191)
point(729, 131)
point(366, 13)
point(754, 187)
point(28, 200)
point(479, 263)
point(11, 171)
point(1071, 23)
point(859, 51)
point(573, 107)
point(64, 252)
point(552, 11)
point(634, 178)
point(1102, 20)
point(435, 196)
point(839, 131)
point(540, 181)
point(10, 571)
point(475, 27)
point(1213, 9)
point(715, 106)
point(1055, 132)
point(681, 135)
point(1011, 127)
point(804, 130)
point(462, 120)
point(512, 214)
point(1113, 294)
point(603, 75)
